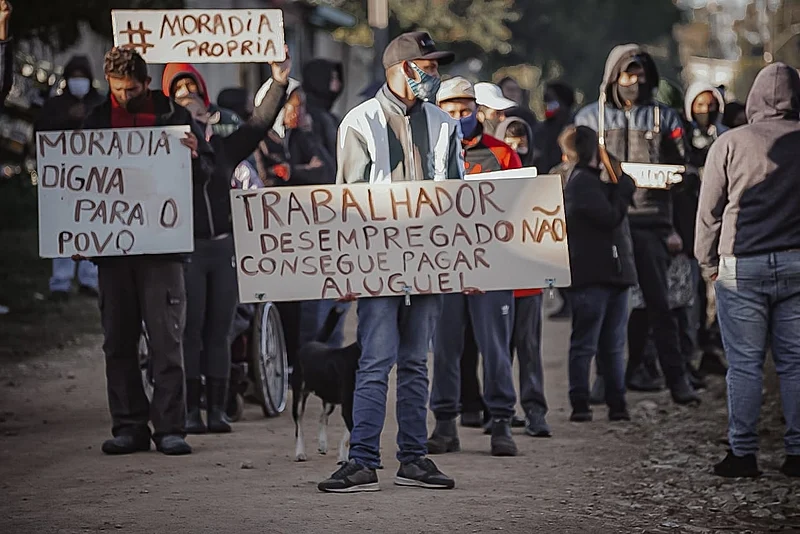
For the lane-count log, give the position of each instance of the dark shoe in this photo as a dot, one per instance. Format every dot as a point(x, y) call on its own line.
point(517, 421)
point(126, 444)
point(217, 398)
point(472, 419)
point(713, 363)
point(88, 291)
point(737, 466)
point(423, 473)
point(194, 419)
point(581, 416)
point(173, 445)
point(640, 380)
point(791, 466)
point(618, 414)
point(59, 296)
point(536, 426)
point(683, 392)
point(444, 438)
point(696, 380)
point(502, 443)
point(598, 395)
point(351, 478)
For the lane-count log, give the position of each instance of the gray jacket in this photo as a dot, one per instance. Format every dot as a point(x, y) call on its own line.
point(382, 141)
point(749, 202)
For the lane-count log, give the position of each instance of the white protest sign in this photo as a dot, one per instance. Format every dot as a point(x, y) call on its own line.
point(322, 242)
point(526, 172)
point(654, 176)
point(114, 192)
point(202, 35)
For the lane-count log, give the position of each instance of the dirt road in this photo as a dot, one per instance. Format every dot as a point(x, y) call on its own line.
point(587, 478)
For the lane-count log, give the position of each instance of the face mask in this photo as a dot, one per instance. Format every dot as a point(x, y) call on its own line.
point(79, 87)
point(522, 150)
point(468, 124)
point(490, 125)
point(136, 104)
point(704, 120)
point(551, 109)
point(426, 88)
point(634, 94)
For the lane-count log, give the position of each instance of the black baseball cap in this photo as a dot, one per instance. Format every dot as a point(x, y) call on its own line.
point(414, 45)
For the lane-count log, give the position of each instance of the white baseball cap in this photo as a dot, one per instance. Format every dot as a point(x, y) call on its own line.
point(490, 95)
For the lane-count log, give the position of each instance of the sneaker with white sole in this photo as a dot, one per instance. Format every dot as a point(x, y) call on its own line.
point(423, 473)
point(351, 478)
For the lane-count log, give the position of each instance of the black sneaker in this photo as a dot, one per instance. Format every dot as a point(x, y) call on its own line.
point(444, 438)
point(423, 473)
point(126, 444)
point(581, 416)
point(683, 392)
point(536, 426)
point(173, 445)
point(351, 478)
point(791, 466)
point(618, 414)
point(737, 466)
point(502, 443)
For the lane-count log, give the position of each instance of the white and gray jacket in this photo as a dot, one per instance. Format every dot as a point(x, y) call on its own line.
point(383, 141)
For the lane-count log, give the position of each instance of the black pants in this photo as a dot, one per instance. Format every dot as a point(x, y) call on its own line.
point(290, 319)
point(471, 397)
point(212, 295)
point(131, 290)
point(652, 263)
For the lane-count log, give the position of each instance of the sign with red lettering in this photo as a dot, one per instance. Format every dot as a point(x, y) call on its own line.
point(114, 192)
point(323, 242)
point(202, 35)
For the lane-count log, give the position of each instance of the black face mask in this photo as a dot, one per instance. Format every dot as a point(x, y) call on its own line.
point(136, 104)
point(704, 120)
point(634, 94)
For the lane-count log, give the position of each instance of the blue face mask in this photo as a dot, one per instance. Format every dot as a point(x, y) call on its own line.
point(426, 88)
point(468, 124)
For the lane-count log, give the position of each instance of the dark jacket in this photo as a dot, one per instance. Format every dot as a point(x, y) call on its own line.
point(647, 133)
point(65, 111)
point(600, 246)
point(168, 113)
point(6, 70)
point(320, 99)
point(749, 201)
point(500, 133)
point(297, 149)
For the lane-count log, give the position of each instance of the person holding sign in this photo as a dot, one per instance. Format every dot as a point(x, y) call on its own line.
point(145, 288)
point(211, 287)
point(634, 128)
point(399, 135)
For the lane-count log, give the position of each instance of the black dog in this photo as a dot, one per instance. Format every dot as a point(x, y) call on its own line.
point(330, 374)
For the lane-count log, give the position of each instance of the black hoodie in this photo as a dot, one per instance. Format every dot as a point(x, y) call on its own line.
point(317, 76)
point(749, 201)
point(66, 111)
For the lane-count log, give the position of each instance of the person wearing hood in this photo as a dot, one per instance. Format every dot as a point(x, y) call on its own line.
point(492, 106)
point(489, 314)
point(635, 128)
point(211, 288)
point(517, 134)
point(748, 246)
point(512, 90)
point(67, 112)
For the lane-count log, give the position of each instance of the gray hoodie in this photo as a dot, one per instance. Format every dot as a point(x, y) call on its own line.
point(749, 201)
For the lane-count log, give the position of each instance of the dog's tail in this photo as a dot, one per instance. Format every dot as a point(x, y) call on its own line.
point(329, 327)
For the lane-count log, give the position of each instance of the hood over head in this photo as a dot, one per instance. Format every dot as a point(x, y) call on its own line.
point(775, 94)
point(695, 90)
point(293, 86)
point(618, 59)
point(317, 82)
point(78, 63)
point(174, 71)
point(500, 134)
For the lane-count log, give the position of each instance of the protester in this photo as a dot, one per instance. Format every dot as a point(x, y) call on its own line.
point(67, 112)
point(748, 244)
point(6, 53)
point(237, 99)
point(380, 142)
point(512, 90)
point(603, 269)
point(734, 115)
point(517, 134)
point(211, 287)
point(634, 128)
point(492, 106)
point(323, 83)
point(491, 314)
point(149, 288)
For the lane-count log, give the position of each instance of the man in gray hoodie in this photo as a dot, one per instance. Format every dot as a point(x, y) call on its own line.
point(748, 243)
point(400, 135)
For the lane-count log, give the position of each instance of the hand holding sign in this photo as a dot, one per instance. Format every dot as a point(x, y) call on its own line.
point(190, 142)
point(280, 71)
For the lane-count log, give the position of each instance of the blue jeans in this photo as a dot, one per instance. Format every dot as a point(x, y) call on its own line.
point(492, 317)
point(758, 305)
point(314, 313)
point(389, 333)
point(64, 273)
point(528, 343)
point(599, 327)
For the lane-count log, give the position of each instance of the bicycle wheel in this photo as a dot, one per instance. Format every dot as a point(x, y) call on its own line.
point(269, 359)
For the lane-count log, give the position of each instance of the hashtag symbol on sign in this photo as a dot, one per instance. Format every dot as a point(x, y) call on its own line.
point(142, 33)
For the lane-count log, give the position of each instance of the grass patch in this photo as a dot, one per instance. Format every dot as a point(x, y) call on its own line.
point(34, 323)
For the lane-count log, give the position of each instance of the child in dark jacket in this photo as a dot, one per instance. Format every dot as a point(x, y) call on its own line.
point(603, 270)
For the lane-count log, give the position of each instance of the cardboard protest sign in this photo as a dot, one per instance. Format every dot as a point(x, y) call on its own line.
point(202, 35)
point(654, 176)
point(114, 192)
point(526, 172)
point(322, 242)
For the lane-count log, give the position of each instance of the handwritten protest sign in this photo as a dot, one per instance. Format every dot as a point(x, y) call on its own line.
point(114, 192)
point(526, 172)
point(657, 176)
point(202, 35)
point(299, 243)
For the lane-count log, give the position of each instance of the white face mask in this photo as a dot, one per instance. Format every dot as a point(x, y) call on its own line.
point(79, 87)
